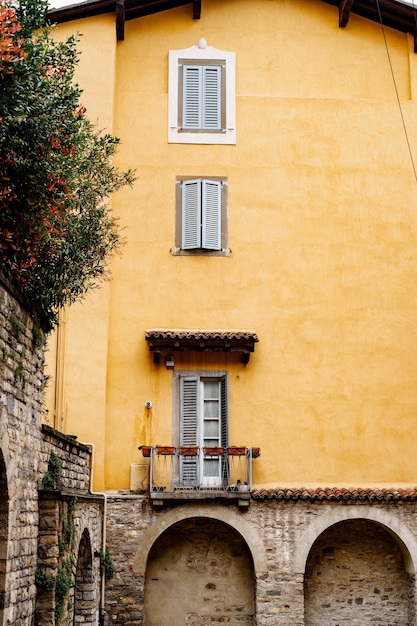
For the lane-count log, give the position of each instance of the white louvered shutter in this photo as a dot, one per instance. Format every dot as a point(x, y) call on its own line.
point(211, 101)
point(201, 95)
point(211, 214)
point(191, 214)
point(189, 429)
point(192, 97)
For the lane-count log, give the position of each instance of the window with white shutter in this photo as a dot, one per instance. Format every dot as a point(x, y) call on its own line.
point(202, 98)
point(201, 95)
point(211, 208)
point(189, 428)
point(201, 224)
point(191, 214)
point(203, 423)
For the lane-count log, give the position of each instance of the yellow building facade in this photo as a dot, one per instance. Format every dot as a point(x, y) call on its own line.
point(265, 299)
point(321, 245)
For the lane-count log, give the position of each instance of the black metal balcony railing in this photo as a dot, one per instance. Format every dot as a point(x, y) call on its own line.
point(174, 469)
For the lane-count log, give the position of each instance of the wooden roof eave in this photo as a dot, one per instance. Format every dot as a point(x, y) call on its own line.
point(124, 9)
point(196, 9)
point(345, 7)
point(135, 9)
point(394, 14)
point(79, 11)
point(120, 20)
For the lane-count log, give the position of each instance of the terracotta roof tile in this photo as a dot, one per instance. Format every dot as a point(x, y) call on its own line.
point(200, 335)
point(199, 340)
point(338, 494)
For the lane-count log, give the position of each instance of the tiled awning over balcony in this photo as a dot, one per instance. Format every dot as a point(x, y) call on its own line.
point(174, 340)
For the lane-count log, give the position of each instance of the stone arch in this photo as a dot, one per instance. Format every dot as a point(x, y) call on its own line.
point(185, 512)
point(85, 602)
point(355, 570)
point(406, 541)
point(199, 570)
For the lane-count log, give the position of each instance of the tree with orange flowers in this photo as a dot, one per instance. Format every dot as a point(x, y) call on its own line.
point(56, 171)
point(11, 44)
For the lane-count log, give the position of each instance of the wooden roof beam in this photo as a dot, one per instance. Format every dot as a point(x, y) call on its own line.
point(196, 9)
point(120, 20)
point(345, 7)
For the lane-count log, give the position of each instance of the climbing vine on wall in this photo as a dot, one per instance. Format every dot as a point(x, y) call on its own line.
point(51, 476)
point(64, 580)
point(106, 564)
point(68, 527)
point(43, 581)
point(63, 584)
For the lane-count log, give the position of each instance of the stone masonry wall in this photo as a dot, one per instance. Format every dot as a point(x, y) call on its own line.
point(371, 560)
point(212, 581)
point(57, 546)
point(355, 570)
point(75, 459)
point(25, 448)
point(65, 515)
point(128, 518)
point(21, 376)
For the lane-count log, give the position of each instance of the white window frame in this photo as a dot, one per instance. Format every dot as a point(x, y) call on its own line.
point(202, 56)
point(201, 216)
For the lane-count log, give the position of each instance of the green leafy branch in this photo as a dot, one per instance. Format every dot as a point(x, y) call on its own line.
point(50, 478)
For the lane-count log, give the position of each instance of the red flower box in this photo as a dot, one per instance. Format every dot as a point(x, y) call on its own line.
point(256, 452)
point(189, 450)
point(146, 451)
point(213, 451)
point(236, 451)
point(165, 450)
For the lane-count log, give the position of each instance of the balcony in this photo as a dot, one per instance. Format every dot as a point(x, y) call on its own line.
point(200, 473)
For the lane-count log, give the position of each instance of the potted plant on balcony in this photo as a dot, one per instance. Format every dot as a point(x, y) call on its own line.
point(213, 451)
point(236, 451)
point(189, 450)
point(256, 452)
point(165, 450)
point(146, 451)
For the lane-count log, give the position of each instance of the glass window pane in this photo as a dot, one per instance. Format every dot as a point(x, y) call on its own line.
point(211, 443)
point(211, 467)
point(211, 389)
point(211, 428)
point(211, 408)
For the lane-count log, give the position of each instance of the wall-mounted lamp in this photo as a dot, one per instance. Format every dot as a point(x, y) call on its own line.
point(169, 362)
